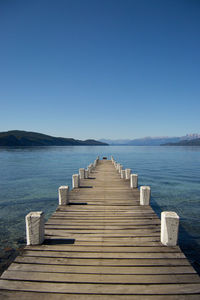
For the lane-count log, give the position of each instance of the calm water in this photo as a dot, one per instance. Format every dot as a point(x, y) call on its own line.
point(30, 177)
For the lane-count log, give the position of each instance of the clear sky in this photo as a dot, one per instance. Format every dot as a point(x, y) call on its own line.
point(100, 69)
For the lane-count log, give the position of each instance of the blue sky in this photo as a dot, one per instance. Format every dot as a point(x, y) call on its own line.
point(100, 69)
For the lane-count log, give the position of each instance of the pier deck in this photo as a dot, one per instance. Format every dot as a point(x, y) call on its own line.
point(104, 245)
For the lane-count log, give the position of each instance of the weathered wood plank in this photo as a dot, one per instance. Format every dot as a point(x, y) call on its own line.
point(102, 269)
point(110, 249)
point(49, 296)
point(113, 255)
point(101, 278)
point(102, 261)
point(160, 289)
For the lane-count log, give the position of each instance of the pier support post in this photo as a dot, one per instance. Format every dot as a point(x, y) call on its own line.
point(169, 228)
point(75, 181)
point(35, 228)
point(127, 173)
point(89, 169)
point(145, 194)
point(86, 174)
point(133, 181)
point(120, 168)
point(123, 175)
point(82, 173)
point(63, 195)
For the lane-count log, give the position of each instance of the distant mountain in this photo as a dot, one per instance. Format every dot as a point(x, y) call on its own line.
point(194, 142)
point(151, 141)
point(115, 142)
point(26, 138)
point(146, 141)
point(190, 136)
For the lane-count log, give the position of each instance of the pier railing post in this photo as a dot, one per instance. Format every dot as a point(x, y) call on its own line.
point(120, 168)
point(75, 181)
point(86, 174)
point(35, 228)
point(127, 173)
point(63, 194)
point(145, 195)
point(82, 173)
point(133, 181)
point(90, 168)
point(123, 174)
point(169, 228)
point(95, 163)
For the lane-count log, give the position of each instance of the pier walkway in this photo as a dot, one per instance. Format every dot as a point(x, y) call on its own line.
point(103, 245)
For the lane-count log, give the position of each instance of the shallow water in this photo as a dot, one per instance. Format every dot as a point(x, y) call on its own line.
point(30, 177)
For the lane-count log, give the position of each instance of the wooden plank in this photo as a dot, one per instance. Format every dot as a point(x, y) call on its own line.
point(104, 228)
point(61, 296)
point(105, 255)
point(108, 249)
point(102, 261)
point(100, 224)
point(49, 296)
point(93, 233)
point(102, 269)
point(123, 239)
point(160, 289)
point(101, 278)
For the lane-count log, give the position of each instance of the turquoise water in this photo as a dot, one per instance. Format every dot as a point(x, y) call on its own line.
point(30, 177)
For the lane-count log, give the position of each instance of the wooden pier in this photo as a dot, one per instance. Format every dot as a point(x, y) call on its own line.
point(103, 245)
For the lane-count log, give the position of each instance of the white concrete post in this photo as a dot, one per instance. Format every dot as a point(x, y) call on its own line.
point(133, 181)
point(127, 173)
point(35, 228)
point(120, 168)
point(123, 176)
point(63, 195)
point(86, 173)
point(90, 168)
point(75, 181)
point(82, 173)
point(145, 194)
point(169, 228)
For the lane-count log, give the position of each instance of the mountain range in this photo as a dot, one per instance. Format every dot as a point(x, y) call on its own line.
point(194, 142)
point(26, 138)
point(152, 141)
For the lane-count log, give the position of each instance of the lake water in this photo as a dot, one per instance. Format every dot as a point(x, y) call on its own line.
point(30, 177)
